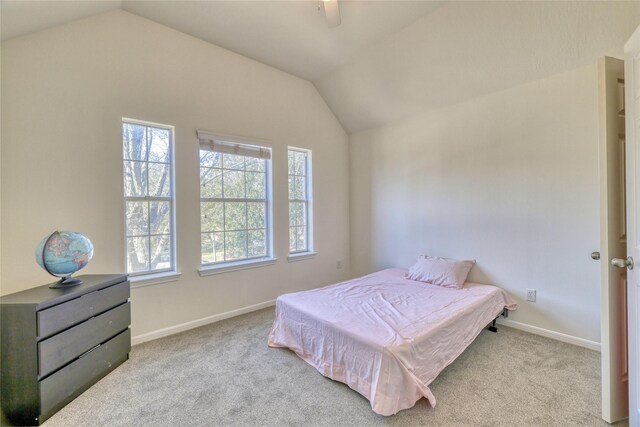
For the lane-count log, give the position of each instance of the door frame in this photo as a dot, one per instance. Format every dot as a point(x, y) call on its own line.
point(632, 124)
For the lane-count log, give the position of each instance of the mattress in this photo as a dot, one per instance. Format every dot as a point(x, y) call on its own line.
point(384, 336)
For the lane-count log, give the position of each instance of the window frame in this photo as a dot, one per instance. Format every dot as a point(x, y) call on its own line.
point(310, 250)
point(269, 258)
point(164, 274)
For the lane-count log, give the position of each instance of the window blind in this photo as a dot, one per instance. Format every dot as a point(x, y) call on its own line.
point(213, 142)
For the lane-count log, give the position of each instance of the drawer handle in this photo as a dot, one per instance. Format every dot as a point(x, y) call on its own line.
point(88, 351)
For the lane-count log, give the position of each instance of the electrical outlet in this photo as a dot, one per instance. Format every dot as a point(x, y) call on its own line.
point(531, 295)
point(339, 264)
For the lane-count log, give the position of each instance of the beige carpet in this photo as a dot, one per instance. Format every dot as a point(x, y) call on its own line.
point(224, 374)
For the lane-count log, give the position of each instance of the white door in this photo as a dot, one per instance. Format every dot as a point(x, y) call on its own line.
point(613, 243)
point(632, 119)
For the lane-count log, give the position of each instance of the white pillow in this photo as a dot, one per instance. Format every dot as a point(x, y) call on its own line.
point(446, 272)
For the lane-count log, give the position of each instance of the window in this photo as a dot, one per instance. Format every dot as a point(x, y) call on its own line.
point(235, 200)
point(148, 194)
point(300, 212)
point(148, 197)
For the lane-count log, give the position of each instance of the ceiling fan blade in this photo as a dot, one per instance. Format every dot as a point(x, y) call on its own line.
point(332, 10)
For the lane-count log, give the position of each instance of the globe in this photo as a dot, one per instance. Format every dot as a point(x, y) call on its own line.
point(62, 253)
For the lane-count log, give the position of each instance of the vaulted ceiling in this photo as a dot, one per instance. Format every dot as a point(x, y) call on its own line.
point(464, 50)
point(389, 59)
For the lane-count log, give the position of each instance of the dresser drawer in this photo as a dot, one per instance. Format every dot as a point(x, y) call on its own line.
point(66, 346)
point(65, 385)
point(63, 316)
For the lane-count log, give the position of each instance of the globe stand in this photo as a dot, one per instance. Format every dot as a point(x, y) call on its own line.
point(65, 282)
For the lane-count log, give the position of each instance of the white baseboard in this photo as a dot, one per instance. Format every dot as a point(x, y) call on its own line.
point(592, 345)
point(153, 335)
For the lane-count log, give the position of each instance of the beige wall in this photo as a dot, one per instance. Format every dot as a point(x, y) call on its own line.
point(64, 92)
point(510, 179)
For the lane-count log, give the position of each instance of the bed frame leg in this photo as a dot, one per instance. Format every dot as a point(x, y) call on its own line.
point(493, 328)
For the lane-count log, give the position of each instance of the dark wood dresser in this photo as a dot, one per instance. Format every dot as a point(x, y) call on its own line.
point(56, 343)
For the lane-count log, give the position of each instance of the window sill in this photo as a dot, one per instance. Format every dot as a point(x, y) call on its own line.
point(210, 270)
point(301, 256)
point(154, 279)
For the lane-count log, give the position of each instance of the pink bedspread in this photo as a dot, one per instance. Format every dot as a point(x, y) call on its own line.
point(385, 336)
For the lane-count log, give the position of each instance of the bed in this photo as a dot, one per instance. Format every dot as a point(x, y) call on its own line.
point(383, 335)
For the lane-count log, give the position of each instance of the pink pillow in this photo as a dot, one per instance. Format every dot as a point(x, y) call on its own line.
point(446, 272)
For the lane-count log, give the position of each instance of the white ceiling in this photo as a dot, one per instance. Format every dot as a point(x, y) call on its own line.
point(20, 17)
point(292, 36)
point(465, 50)
point(388, 59)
